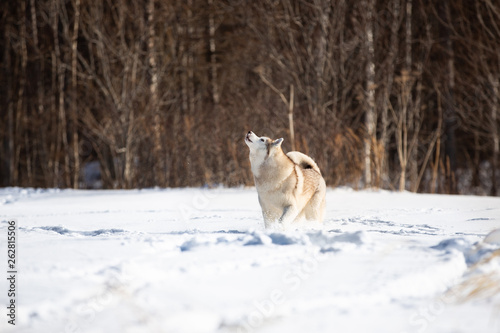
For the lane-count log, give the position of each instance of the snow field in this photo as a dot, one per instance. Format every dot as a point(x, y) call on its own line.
point(199, 260)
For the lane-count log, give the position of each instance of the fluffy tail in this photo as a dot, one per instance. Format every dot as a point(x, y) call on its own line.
point(302, 160)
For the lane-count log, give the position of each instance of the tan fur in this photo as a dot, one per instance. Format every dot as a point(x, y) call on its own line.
point(290, 187)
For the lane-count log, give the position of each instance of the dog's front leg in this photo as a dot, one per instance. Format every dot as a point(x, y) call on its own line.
point(288, 216)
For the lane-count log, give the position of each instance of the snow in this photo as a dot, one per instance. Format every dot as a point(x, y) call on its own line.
point(200, 260)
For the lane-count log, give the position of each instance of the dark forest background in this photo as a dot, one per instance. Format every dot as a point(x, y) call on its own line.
point(394, 94)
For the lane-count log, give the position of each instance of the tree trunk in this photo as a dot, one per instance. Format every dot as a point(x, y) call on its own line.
point(41, 142)
point(213, 57)
point(159, 160)
point(61, 93)
point(74, 110)
point(320, 43)
point(437, 159)
point(494, 133)
point(414, 106)
point(369, 6)
point(54, 119)
point(383, 172)
point(450, 115)
point(10, 142)
point(290, 117)
point(21, 105)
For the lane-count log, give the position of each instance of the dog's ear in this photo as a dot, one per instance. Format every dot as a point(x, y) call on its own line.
point(277, 142)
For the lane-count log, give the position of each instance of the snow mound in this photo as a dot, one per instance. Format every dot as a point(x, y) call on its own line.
point(325, 241)
point(473, 252)
point(453, 244)
point(493, 237)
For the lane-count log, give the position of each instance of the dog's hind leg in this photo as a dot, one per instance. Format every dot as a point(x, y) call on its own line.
point(315, 208)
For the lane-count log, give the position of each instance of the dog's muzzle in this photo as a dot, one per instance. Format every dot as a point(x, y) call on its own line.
point(248, 136)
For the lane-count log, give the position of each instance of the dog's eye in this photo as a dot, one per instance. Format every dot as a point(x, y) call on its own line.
point(262, 140)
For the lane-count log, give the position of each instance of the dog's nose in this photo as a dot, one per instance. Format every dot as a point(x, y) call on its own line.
point(249, 132)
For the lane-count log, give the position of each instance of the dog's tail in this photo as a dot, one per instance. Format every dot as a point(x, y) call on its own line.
point(302, 160)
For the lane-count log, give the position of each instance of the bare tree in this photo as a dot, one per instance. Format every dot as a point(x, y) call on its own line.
point(380, 93)
point(74, 87)
point(450, 115)
point(62, 140)
point(392, 52)
point(10, 161)
point(159, 164)
point(369, 9)
point(495, 83)
point(21, 106)
point(212, 48)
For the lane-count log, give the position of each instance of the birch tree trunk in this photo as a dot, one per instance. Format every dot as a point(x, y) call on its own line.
point(494, 133)
point(369, 6)
point(212, 48)
point(406, 95)
point(159, 162)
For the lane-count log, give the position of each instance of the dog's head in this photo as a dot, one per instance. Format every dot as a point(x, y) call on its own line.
point(262, 146)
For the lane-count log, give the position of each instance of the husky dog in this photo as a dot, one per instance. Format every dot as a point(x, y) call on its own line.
point(290, 187)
